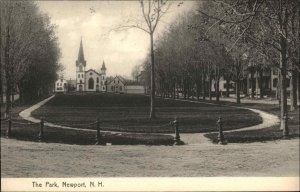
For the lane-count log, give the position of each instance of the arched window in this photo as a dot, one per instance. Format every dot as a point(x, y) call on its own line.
point(97, 79)
point(80, 81)
point(91, 83)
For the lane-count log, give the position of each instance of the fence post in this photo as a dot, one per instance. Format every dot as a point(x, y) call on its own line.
point(8, 131)
point(98, 135)
point(41, 134)
point(285, 119)
point(177, 136)
point(221, 139)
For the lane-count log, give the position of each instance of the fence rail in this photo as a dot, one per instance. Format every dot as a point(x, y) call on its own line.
point(99, 140)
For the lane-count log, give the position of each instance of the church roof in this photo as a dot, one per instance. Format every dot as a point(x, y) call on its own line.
point(81, 55)
point(103, 66)
point(118, 77)
point(92, 70)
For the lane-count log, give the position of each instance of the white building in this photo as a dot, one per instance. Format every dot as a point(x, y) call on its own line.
point(61, 86)
point(89, 80)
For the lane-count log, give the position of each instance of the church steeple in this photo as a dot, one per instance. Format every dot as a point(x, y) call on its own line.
point(103, 68)
point(81, 56)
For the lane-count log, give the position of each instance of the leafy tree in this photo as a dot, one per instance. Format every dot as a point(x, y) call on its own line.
point(29, 49)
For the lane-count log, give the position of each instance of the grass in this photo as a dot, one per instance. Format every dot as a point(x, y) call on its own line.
point(56, 135)
point(261, 135)
point(129, 113)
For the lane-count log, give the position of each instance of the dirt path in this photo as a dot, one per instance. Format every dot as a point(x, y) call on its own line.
point(188, 138)
point(199, 138)
point(31, 159)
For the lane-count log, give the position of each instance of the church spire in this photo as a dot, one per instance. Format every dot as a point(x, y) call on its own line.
point(81, 55)
point(103, 66)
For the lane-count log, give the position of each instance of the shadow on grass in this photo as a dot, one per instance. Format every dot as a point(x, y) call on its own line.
point(80, 137)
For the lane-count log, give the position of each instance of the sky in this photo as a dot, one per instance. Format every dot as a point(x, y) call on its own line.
point(94, 21)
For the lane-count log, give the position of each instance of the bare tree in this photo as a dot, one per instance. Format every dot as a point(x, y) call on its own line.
point(152, 13)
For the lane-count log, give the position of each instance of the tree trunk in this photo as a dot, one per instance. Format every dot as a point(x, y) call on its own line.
point(283, 95)
point(1, 84)
point(7, 72)
point(252, 84)
point(260, 82)
point(227, 87)
point(203, 85)
point(278, 89)
point(174, 89)
point(293, 93)
point(209, 87)
point(238, 96)
point(217, 90)
point(152, 97)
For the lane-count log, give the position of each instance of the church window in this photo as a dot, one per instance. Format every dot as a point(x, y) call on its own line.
point(80, 68)
point(91, 73)
point(57, 84)
point(91, 83)
point(97, 79)
point(82, 75)
point(101, 82)
point(78, 75)
point(118, 81)
point(80, 81)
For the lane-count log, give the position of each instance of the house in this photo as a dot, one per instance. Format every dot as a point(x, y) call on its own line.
point(89, 80)
point(116, 85)
point(120, 85)
point(61, 86)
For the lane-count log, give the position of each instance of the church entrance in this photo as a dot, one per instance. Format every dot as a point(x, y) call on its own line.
point(116, 89)
point(80, 88)
point(97, 88)
point(91, 83)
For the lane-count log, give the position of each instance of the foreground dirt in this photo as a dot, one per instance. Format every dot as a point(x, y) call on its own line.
point(29, 159)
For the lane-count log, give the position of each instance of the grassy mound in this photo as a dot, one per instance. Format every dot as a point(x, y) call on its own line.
point(130, 113)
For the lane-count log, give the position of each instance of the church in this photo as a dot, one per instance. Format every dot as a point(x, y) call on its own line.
point(89, 80)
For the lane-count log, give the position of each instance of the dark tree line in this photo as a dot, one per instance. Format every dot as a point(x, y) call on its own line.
point(29, 52)
point(230, 39)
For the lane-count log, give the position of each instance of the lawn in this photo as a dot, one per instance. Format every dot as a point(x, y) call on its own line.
point(130, 113)
point(267, 134)
point(24, 130)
